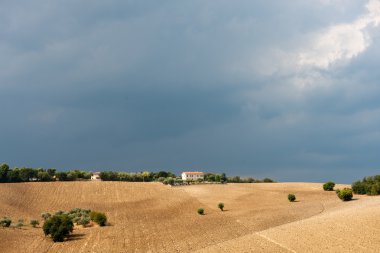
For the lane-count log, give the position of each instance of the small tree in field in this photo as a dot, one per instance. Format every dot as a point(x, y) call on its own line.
point(45, 216)
point(34, 223)
point(58, 227)
point(328, 186)
point(84, 221)
point(221, 206)
point(5, 222)
point(20, 224)
point(291, 197)
point(344, 194)
point(201, 211)
point(99, 218)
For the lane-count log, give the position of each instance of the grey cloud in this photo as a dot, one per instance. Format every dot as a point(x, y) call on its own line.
point(172, 85)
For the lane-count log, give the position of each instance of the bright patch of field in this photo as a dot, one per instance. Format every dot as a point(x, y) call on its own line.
point(151, 217)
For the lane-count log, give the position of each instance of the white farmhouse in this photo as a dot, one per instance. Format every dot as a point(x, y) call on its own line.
point(192, 175)
point(95, 176)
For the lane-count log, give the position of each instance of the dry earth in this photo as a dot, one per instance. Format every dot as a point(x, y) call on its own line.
point(151, 217)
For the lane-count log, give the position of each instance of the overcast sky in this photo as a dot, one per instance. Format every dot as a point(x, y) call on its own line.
point(282, 89)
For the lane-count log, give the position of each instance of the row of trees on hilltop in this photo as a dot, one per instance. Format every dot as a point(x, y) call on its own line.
point(24, 174)
point(237, 179)
point(145, 176)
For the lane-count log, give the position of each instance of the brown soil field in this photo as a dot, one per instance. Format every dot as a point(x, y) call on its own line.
point(151, 217)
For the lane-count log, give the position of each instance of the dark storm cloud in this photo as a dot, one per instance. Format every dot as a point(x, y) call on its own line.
point(213, 85)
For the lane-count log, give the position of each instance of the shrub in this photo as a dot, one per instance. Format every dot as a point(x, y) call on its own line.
point(34, 223)
point(99, 218)
point(369, 185)
point(201, 211)
point(45, 216)
point(268, 180)
point(84, 221)
point(170, 180)
point(58, 227)
point(20, 224)
point(75, 219)
point(328, 186)
point(374, 189)
point(291, 197)
point(221, 206)
point(359, 187)
point(344, 194)
point(5, 222)
point(161, 179)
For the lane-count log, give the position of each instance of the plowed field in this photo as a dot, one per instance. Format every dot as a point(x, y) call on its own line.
point(151, 217)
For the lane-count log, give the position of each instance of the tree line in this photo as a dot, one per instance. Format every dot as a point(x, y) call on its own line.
point(145, 176)
point(24, 174)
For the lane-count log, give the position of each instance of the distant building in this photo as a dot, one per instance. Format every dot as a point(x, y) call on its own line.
point(192, 175)
point(95, 176)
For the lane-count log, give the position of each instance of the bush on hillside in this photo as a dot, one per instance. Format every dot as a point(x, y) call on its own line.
point(99, 218)
point(291, 197)
point(45, 216)
point(34, 223)
point(84, 221)
point(201, 211)
point(329, 186)
point(20, 224)
point(58, 227)
point(221, 206)
point(5, 222)
point(344, 194)
point(369, 186)
point(359, 187)
point(374, 189)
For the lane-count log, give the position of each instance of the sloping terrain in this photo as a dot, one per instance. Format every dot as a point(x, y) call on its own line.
point(151, 217)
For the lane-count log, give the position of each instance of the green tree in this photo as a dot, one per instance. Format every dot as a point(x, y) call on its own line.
point(329, 186)
point(43, 176)
point(20, 224)
point(99, 218)
point(223, 177)
point(34, 223)
point(344, 194)
point(291, 197)
point(14, 175)
point(62, 176)
point(58, 227)
point(51, 172)
point(26, 174)
point(4, 169)
point(221, 206)
point(84, 221)
point(5, 222)
point(146, 175)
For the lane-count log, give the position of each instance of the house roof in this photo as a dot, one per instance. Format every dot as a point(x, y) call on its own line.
point(193, 172)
